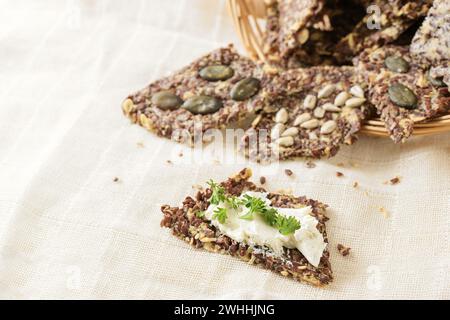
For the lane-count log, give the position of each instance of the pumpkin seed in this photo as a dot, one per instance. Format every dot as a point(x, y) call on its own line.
point(166, 100)
point(310, 102)
point(354, 102)
point(328, 127)
point(436, 82)
point(341, 98)
point(326, 91)
point(202, 105)
point(244, 89)
point(310, 124)
point(281, 116)
point(357, 91)
point(302, 118)
point(216, 73)
point(402, 96)
point(292, 131)
point(396, 64)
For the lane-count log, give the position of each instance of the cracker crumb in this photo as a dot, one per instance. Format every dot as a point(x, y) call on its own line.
point(288, 172)
point(197, 187)
point(310, 165)
point(180, 154)
point(262, 180)
point(140, 144)
point(355, 184)
point(339, 174)
point(115, 179)
point(353, 164)
point(343, 250)
point(384, 212)
point(169, 161)
point(395, 180)
point(284, 191)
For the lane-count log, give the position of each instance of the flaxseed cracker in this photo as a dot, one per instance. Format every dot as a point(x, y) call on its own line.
point(400, 89)
point(200, 233)
point(430, 46)
point(307, 113)
point(384, 23)
point(304, 32)
point(187, 104)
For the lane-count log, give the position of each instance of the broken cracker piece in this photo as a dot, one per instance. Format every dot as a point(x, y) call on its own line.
point(202, 222)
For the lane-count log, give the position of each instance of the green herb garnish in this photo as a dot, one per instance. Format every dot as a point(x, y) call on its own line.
point(220, 214)
point(270, 216)
point(287, 225)
point(233, 201)
point(200, 214)
point(218, 193)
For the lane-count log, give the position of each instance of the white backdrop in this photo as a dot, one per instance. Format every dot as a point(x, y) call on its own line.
point(68, 231)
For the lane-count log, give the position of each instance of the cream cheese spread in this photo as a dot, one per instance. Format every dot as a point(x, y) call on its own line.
point(308, 239)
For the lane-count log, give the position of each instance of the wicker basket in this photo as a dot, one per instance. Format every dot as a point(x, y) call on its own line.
point(248, 17)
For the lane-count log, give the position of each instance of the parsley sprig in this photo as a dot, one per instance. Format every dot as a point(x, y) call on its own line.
point(218, 193)
point(220, 214)
point(285, 225)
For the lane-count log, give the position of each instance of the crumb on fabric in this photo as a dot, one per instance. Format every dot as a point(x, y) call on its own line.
point(169, 161)
point(384, 212)
point(310, 165)
point(395, 180)
point(343, 250)
point(339, 174)
point(288, 172)
point(140, 144)
point(355, 184)
point(115, 179)
point(262, 180)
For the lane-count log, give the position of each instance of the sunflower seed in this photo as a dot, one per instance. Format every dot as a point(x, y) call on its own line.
point(326, 91)
point(166, 100)
point(202, 105)
point(281, 116)
point(276, 131)
point(127, 106)
point(303, 36)
point(354, 102)
point(216, 73)
point(310, 124)
point(302, 118)
point(402, 96)
point(285, 141)
point(319, 112)
point(436, 82)
point(244, 89)
point(396, 64)
point(310, 102)
point(292, 131)
point(341, 98)
point(313, 136)
point(357, 91)
point(331, 107)
point(328, 127)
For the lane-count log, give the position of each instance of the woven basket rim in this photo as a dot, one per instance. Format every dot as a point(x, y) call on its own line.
point(247, 16)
